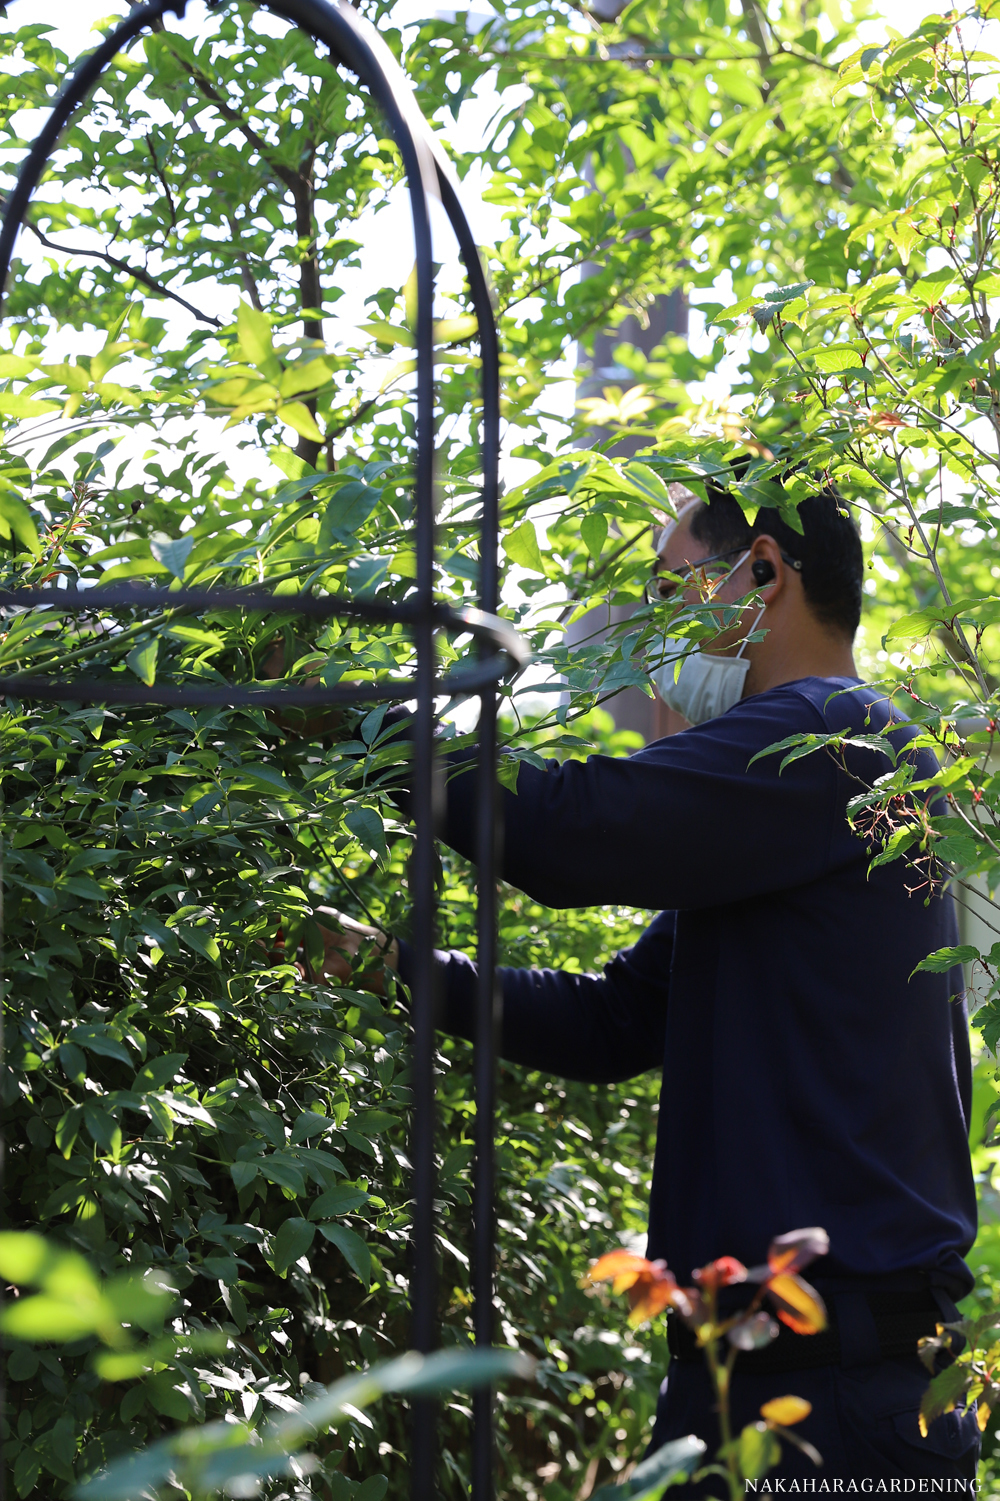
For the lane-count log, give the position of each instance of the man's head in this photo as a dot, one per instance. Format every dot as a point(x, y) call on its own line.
point(828, 548)
point(810, 582)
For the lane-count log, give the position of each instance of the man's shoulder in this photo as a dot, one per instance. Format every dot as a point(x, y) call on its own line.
point(840, 703)
point(827, 706)
point(806, 706)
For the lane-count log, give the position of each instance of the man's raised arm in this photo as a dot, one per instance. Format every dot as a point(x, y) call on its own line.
point(598, 1029)
point(688, 822)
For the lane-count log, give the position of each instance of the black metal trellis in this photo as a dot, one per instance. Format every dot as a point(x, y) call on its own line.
point(358, 46)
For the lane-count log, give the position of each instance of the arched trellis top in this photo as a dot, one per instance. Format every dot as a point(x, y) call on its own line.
point(358, 46)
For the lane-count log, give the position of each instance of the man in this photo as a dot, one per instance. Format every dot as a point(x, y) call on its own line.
point(809, 1076)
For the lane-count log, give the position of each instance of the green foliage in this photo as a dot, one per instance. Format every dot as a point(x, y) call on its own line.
point(233, 1457)
point(182, 1103)
point(649, 1479)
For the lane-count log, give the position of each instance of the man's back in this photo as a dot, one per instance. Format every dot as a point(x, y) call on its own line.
point(808, 1078)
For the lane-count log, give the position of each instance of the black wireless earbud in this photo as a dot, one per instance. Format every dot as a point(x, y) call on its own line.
point(762, 570)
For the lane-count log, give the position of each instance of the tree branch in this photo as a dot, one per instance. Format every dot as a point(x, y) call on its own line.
point(161, 174)
point(136, 272)
point(246, 275)
point(755, 31)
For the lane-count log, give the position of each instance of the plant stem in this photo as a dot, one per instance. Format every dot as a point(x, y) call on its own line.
point(720, 1374)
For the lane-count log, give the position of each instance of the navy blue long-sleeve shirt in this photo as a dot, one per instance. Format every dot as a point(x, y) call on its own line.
point(809, 1077)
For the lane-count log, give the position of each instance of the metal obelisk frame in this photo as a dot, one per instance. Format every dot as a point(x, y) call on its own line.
point(358, 46)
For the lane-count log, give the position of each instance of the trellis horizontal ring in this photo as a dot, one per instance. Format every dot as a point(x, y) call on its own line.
point(456, 618)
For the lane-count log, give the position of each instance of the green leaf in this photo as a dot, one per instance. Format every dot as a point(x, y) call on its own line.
point(758, 1450)
point(389, 333)
point(293, 1240)
point(16, 404)
point(913, 627)
point(835, 358)
point(173, 553)
point(159, 1071)
point(43, 1317)
point(339, 1200)
point(283, 1171)
point(372, 1489)
point(27, 1467)
point(24, 1256)
point(304, 375)
point(199, 941)
point(352, 1247)
point(944, 1392)
point(98, 1040)
point(959, 849)
point(217, 1452)
point(69, 1125)
point(322, 1166)
point(594, 531)
point(16, 364)
point(22, 1363)
point(649, 483)
point(309, 1124)
point(507, 772)
point(142, 660)
point(648, 1479)
point(347, 511)
point(103, 1128)
point(162, 1394)
point(366, 826)
point(73, 1062)
point(945, 959)
point(299, 418)
point(521, 546)
point(243, 1174)
point(254, 331)
point(374, 1122)
point(17, 521)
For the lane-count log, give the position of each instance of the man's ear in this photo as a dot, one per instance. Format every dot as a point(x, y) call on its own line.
point(767, 568)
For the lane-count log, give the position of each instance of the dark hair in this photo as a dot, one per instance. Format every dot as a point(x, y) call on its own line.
point(829, 547)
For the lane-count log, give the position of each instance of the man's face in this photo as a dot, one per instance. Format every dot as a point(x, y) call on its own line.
point(683, 554)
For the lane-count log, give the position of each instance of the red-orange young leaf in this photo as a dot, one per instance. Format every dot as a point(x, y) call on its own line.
point(797, 1304)
point(650, 1296)
point(792, 1252)
point(651, 1287)
point(622, 1268)
point(722, 1272)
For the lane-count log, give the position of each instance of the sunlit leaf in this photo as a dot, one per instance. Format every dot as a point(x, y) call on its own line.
point(298, 417)
point(254, 331)
point(796, 1249)
point(786, 1410)
point(142, 660)
point(797, 1304)
point(943, 1394)
point(521, 546)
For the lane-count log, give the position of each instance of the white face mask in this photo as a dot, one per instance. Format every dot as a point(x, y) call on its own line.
point(707, 685)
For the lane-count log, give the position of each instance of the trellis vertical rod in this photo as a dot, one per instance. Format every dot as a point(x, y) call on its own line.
point(487, 861)
point(424, 1272)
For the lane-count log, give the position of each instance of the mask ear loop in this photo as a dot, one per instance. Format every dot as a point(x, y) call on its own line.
point(749, 633)
point(760, 612)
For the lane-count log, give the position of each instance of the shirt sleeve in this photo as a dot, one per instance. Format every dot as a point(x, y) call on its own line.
point(597, 1029)
point(691, 821)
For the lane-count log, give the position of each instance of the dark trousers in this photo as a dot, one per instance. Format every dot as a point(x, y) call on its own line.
point(863, 1422)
